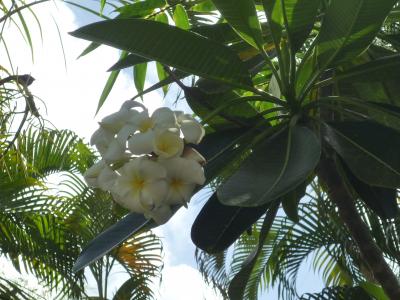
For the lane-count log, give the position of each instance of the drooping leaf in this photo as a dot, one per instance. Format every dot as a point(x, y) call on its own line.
point(217, 226)
point(242, 16)
point(369, 149)
point(140, 8)
point(348, 28)
point(300, 16)
point(172, 46)
point(291, 200)
point(238, 284)
point(220, 149)
point(128, 61)
point(139, 76)
point(276, 166)
point(383, 201)
point(237, 114)
point(110, 239)
point(379, 69)
point(180, 17)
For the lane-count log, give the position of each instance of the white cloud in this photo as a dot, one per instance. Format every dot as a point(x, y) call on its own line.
point(183, 282)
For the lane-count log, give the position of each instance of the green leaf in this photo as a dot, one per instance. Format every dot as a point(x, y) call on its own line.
point(140, 8)
point(348, 28)
point(374, 290)
point(300, 17)
point(238, 284)
point(181, 18)
point(369, 149)
point(109, 85)
point(88, 49)
point(110, 238)
point(220, 149)
point(220, 32)
point(171, 46)
point(239, 114)
point(128, 61)
point(291, 200)
point(381, 69)
point(217, 226)
point(382, 201)
point(139, 76)
point(276, 166)
point(242, 16)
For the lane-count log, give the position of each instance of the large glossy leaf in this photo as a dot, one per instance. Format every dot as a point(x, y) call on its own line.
point(217, 226)
point(370, 150)
point(237, 114)
point(348, 27)
point(242, 16)
point(172, 46)
point(238, 284)
point(128, 61)
point(276, 166)
point(383, 201)
point(220, 149)
point(140, 8)
point(180, 17)
point(380, 69)
point(110, 239)
point(300, 16)
point(139, 76)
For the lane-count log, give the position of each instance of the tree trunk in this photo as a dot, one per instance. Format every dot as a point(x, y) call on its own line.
point(370, 252)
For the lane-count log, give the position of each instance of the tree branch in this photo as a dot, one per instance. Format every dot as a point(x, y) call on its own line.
point(338, 194)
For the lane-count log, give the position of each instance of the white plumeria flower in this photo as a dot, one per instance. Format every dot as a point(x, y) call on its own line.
point(160, 214)
point(193, 131)
point(100, 175)
point(106, 179)
point(193, 154)
point(102, 138)
point(115, 152)
point(142, 141)
point(93, 173)
point(167, 143)
point(141, 185)
point(182, 177)
point(117, 120)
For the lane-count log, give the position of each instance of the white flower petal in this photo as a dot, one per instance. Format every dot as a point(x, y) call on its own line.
point(151, 170)
point(167, 144)
point(127, 105)
point(192, 131)
point(141, 143)
point(188, 171)
point(126, 131)
point(130, 202)
point(161, 214)
point(179, 193)
point(164, 117)
point(102, 138)
point(193, 154)
point(154, 193)
point(107, 178)
point(142, 121)
point(117, 120)
point(115, 152)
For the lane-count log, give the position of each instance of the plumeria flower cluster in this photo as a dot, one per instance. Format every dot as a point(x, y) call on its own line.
point(147, 163)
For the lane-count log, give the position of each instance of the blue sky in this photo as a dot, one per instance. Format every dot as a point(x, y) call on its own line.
point(71, 97)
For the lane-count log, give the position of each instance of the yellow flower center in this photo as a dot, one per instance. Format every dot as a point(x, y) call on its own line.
point(146, 125)
point(138, 183)
point(176, 183)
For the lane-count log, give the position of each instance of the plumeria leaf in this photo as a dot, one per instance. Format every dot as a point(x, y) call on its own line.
point(110, 239)
point(369, 149)
point(383, 201)
point(176, 47)
point(276, 166)
point(238, 284)
point(242, 16)
point(128, 61)
point(217, 226)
